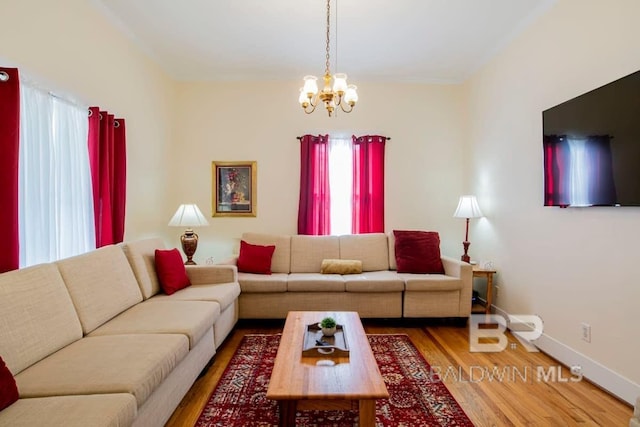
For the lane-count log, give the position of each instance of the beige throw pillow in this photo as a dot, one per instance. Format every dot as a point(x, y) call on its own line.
point(341, 266)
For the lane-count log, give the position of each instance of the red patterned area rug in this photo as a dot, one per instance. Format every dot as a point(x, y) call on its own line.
point(417, 397)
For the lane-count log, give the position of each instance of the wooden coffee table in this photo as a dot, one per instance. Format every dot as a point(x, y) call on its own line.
point(325, 382)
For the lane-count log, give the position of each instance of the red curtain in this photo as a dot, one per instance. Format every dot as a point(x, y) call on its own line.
point(314, 209)
point(9, 146)
point(368, 184)
point(107, 157)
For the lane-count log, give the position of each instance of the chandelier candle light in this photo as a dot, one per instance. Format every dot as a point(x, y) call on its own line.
point(340, 94)
point(467, 208)
point(189, 216)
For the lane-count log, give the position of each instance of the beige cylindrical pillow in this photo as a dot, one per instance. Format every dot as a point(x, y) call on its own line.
point(341, 266)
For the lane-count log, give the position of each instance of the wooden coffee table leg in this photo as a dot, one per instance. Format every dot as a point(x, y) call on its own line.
point(367, 412)
point(287, 413)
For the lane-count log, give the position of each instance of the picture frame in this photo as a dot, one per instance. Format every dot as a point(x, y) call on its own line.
point(234, 188)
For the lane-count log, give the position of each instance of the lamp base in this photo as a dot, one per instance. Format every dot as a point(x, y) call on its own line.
point(465, 257)
point(189, 245)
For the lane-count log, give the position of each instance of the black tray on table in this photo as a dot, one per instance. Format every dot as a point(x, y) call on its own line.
point(316, 344)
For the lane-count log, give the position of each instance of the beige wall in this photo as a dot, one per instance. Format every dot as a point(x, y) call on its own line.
point(70, 48)
point(174, 130)
point(261, 120)
point(566, 265)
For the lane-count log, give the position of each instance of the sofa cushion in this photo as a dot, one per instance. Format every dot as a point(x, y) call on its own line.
point(8, 388)
point(170, 270)
point(38, 317)
point(307, 252)
point(276, 282)
point(374, 281)
point(430, 282)
point(101, 284)
point(190, 318)
point(135, 364)
point(315, 282)
point(341, 266)
point(255, 258)
point(141, 255)
point(392, 251)
point(418, 252)
point(95, 410)
point(281, 260)
point(371, 248)
point(224, 294)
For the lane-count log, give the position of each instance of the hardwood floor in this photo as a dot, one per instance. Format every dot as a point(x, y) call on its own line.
point(509, 388)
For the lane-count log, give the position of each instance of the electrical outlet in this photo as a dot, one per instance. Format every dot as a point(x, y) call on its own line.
point(576, 370)
point(585, 330)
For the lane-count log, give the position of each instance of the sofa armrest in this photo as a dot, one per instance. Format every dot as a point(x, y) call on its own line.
point(457, 268)
point(464, 271)
point(211, 274)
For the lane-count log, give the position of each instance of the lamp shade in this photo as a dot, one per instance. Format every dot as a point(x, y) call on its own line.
point(188, 216)
point(467, 208)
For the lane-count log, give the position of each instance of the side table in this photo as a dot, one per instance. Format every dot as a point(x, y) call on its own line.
point(487, 274)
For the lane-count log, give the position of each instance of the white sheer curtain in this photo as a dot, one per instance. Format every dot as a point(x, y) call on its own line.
point(55, 194)
point(341, 183)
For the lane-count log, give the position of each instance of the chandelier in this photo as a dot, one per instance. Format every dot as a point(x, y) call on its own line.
point(340, 94)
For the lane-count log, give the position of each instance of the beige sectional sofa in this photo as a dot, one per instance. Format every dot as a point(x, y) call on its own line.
point(378, 292)
point(91, 341)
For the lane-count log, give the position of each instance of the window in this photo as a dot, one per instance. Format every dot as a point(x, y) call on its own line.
point(63, 173)
point(341, 185)
point(55, 200)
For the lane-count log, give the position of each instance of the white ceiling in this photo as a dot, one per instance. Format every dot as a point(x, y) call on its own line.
point(379, 40)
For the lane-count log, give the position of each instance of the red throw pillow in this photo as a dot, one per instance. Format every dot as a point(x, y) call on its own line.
point(418, 252)
point(8, 387)
point(255, 258)
point(171, 271)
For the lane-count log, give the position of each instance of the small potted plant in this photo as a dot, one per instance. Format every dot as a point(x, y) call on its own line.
point(328, 326)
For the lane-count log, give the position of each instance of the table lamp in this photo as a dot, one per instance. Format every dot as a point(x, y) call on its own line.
point(188, 216)
point(467, 208)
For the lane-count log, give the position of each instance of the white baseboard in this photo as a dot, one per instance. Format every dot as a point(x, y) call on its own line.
point(595, 372)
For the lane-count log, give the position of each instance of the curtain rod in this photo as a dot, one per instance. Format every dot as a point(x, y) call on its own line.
point(388, 138)
point(36, 86)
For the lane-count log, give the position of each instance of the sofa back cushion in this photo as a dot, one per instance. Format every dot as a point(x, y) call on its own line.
point(372, 249)
point(101, 284)
point(393, 265)
point(307, 252)
point(37, 316)
point(141, 255)
point(281, 259)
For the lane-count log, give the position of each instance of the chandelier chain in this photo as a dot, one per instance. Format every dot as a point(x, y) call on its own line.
point(339, 94)
point(326, 71)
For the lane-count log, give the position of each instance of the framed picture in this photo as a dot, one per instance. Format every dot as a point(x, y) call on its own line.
point(234, 188)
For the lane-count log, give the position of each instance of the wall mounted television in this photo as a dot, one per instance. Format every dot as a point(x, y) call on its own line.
point(591, 147)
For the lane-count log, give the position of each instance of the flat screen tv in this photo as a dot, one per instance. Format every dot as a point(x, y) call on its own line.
point(592, 147)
